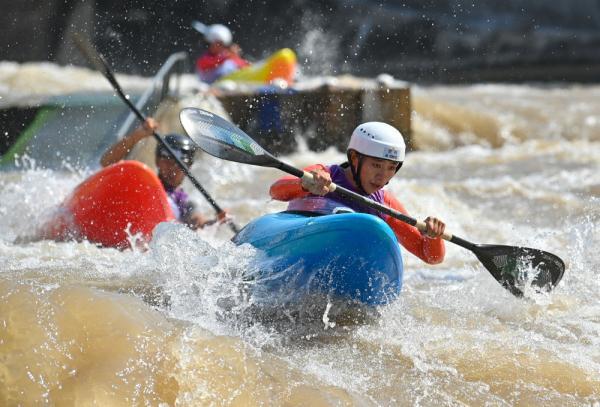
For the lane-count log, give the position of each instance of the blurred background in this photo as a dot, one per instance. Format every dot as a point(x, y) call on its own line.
point(425, 41)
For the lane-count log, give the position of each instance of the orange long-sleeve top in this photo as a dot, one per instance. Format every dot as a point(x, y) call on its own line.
point(431, 251)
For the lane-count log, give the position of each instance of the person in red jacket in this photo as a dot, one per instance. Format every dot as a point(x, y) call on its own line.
point(375, 154)
point(222, 58)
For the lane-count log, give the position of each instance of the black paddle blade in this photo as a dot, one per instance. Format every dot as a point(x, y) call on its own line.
point(220, 138)
point(87, 49)
point(518, 267)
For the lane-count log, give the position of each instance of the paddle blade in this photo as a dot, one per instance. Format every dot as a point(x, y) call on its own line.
point(519, 267)
point(84, 46)
point(220, 138)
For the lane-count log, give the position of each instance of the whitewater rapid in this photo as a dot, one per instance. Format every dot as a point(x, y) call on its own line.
point(503, 164)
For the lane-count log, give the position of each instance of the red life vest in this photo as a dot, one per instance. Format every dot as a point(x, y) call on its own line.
point(208, 64)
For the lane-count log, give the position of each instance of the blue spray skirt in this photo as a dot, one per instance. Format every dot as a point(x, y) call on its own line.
point(349, 256)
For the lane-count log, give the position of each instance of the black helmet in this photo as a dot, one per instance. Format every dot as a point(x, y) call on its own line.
point(181, 145)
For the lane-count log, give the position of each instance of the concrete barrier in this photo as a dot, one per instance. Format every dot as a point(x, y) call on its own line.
point(324, 114)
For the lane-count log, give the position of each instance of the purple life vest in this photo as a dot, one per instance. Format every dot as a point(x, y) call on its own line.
point(179, 201)
point(332, 202)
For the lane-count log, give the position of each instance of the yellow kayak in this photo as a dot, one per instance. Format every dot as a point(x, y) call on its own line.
point(281, 64)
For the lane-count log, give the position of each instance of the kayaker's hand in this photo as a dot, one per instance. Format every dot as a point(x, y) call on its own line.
point(146, 129)
point(319, 184)
point(435, 228)
point(197, 221)
point(150, 126)
point(223, 217)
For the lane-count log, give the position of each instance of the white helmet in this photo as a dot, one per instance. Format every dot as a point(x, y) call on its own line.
point(380, 140)
point(218, 33)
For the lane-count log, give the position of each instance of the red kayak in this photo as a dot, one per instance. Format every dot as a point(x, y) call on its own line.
point(120, 200)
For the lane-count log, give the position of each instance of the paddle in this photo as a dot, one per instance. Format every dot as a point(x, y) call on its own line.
point(96, 59)
point(512, 266)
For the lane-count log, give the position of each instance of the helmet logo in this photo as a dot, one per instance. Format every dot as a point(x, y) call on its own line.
point(390, 153)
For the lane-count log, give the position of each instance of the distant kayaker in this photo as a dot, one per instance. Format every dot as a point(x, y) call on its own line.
point(169, 172)
point(375, 154)
point(223, 56)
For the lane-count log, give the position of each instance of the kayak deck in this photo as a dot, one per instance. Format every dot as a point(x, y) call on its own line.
point(119, 201)
point(351, 256)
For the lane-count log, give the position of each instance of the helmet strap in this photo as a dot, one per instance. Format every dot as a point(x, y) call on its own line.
point(356, 173)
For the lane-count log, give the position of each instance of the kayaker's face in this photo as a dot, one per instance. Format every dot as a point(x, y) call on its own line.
point(216, 47)
point(375, 173)
point(169, 172)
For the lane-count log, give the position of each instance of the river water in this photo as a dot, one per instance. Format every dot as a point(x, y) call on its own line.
point(503, 164)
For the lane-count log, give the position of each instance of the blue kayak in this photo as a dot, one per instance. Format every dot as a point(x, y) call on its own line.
point(347, 256)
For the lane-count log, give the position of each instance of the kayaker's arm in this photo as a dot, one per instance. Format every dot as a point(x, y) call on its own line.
point(431, 251)
point(290, 187)
point(192, 218)
point(121, 148)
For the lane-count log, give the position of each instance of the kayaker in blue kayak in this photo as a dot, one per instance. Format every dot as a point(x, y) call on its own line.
point(169, 172)
point(375, 154)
